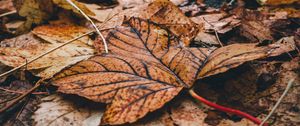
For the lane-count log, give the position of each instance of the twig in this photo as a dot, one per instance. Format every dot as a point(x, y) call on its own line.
point(7, 100)
point(231, 2)
point(21, 92)
point(41, 55)
point(8, 13)
point(225, 109)
point(279, 101)
point(20, 112)
point(13, 102)
point(87, 17)
point(215, 30)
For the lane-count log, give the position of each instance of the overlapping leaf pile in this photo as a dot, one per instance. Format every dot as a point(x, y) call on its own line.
point(150, 60)
point(147, 67)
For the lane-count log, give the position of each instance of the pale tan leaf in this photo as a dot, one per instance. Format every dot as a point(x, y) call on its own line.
point(207, 38)
point(100, 14)
point(18, 53)
point(56, 110)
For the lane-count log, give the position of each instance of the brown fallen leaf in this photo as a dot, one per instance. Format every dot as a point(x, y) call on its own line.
point(163, 12)
point(281, 13)
point(243, 122)
point(166, 13)
point(221, 22)
point(18, 52)
point(224, 58)
point(188, 113)
point(147, 67)
point(255, 31)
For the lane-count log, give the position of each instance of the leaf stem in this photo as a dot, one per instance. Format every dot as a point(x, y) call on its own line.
point(22, 92)
point(225, 109)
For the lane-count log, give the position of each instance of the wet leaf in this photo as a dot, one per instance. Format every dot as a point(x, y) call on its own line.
point(147, 67)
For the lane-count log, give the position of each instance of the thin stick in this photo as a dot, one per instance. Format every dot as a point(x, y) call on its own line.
point(216, 33)
point(279, 101)
point(225, 109)
point(231, 2)
point(21, 92)
point(20, 112)
point(8, 13)
point(15, 101)
point(41, 55)
point(87, 17)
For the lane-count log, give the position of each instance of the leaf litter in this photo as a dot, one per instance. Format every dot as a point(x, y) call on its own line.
point(169, 60)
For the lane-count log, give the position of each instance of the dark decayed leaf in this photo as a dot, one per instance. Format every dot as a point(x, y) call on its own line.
point(147, 67)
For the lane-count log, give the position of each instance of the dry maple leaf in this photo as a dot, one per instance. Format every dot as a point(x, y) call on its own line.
point(147, 67)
